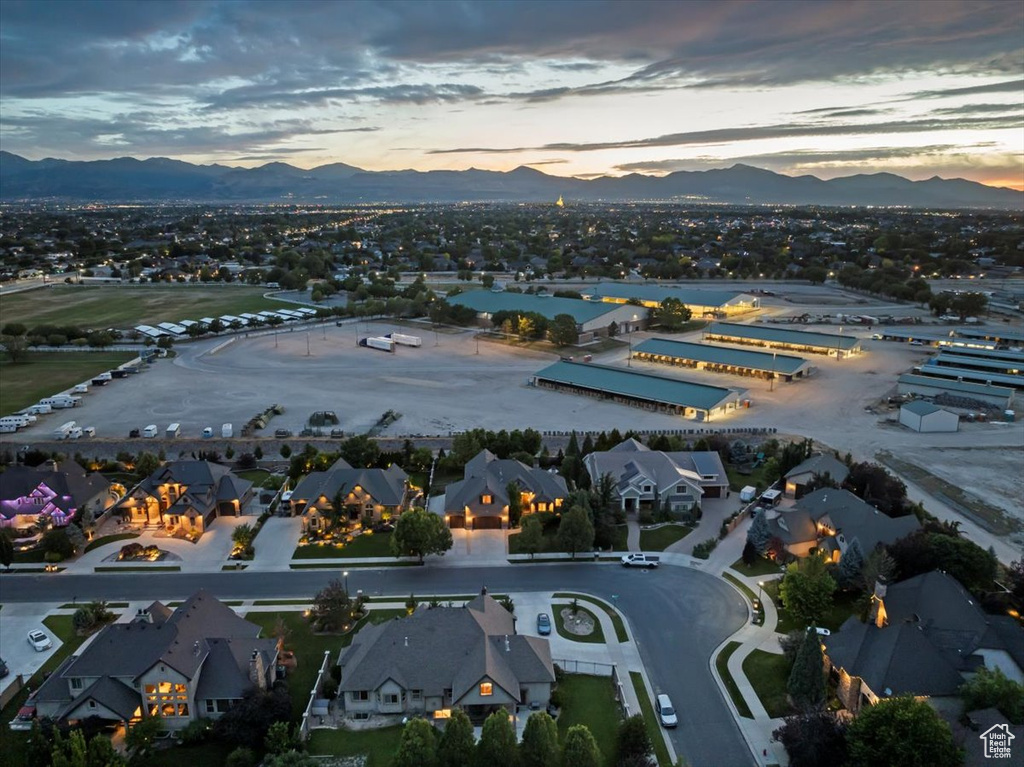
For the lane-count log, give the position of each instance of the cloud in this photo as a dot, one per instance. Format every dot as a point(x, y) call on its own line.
point(545, 162)
point(828, 112)
point(968, 109)
point(389, 94)
point(1007, 86)
point(758, 132)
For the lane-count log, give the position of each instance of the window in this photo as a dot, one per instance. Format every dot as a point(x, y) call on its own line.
point(361, 716)
point(167, 709)
point(416, 694)
point(165, 687)
point(542, 506)
point(361, 695)
point(76, 683)
point(183, 709)
point(150, 689)
point(92, 704)
point(390, 699)
point(154, 710)
point(223, 704)
point(486, 499)
point(210, 706)
point(647, 488)
point(486, 688)
point(179, 688)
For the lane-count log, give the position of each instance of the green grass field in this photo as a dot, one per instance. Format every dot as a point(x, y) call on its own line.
point(620, 626)
point(590, 700)
point(761, 566)
point(597, 637)
point(768, 674)
point(663, 537)
point(722, 665)
point(44, 374)
point(121, 307)
point(376, 545)
point(378, 746)
point(651, 720)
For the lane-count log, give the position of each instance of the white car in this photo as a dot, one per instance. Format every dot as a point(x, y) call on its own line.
point(666, 711)
point(820, 631)
point(39, 640)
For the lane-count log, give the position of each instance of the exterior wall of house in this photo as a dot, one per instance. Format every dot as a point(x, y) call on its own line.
point(355, 706)
point(498, 696)
point(89, 708)
point(390, 689)
point(312, 517)
point(537, 692)
point(168, 694)
point(801, 549)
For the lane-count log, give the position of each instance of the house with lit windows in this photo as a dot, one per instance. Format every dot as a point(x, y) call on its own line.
point(52, 492)
point(195, 661)
point(440, 658)
point(480, 500)
point(374, 494)
point(186, 497)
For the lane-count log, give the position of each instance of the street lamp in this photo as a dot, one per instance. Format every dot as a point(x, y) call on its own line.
point(760, 585)
point(345, 574)
point(771, 385)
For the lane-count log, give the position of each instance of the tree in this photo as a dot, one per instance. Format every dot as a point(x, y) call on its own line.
point(576, 531)
point(759, 534)
point(241, 757)
point(416, 748)
point(281, 738)
point(580, 749)
point(456, 745)
point(848, 574)
point(419, 533)
point(497, 746)
point(6, 549)
point(146, 464)
point(901, 732)
point(55, 541)
point(806, 685)
point(806, 589)
point(15, 346)
point(813, 739)
point(922, 552)
point(290, 759)
point(749, 555)
point(671, 314)
point(878, 566)
point(563, 330)
point(633, 742)
point(249, 720)
point(990, 688)
point(242, 536)
point(515, 503)
point(540, 741)
point(531, 536)
point(334, 609)
point(141, 736)
point(969, 304)
point(76, 536)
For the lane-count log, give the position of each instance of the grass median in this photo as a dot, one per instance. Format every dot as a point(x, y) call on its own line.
point(595, 637)
point(620, 626)
point(650, 720)
point(722, 665)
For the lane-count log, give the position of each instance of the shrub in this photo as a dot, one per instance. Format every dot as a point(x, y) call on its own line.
point(703, 550)
point(195, 731)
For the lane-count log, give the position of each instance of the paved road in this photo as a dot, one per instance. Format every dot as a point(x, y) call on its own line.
point(678, 617)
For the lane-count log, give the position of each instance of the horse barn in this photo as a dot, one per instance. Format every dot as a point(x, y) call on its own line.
point(931, 368)
point(644, 390)
point(993, 364)
point(702, 303)
point(924, 386)
point(832, 344)
point(721, 359)
point(1001, 337)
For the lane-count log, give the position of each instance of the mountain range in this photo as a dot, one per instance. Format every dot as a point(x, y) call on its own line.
point(126, 179)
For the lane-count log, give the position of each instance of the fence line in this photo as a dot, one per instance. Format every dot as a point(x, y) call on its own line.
point(585, 667)
point(304, 727)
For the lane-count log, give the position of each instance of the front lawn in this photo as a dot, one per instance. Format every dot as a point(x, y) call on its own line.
point(95, 544)
point(209, 754)
point(650, 720)
point(309, 647)
point(768, 674)
point(661, 538)
point(550, 545)
point(362, 547)
point(377, 745)
point(590, 700)
point(761, 566)
point(597, 637)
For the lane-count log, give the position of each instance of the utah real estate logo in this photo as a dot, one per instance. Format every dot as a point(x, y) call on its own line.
point(997, 741)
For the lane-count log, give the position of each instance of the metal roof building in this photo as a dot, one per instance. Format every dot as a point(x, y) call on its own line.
point(700, 302)
point(1000, 336)
point(590, 316)
point(833, 344)
point(978, 376)
point(1000, 355)
point(926, 386)
point(926, 417)
point(652, 392)
point(721, 359)
point(1006, 367)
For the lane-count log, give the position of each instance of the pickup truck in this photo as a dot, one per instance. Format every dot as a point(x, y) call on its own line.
point(639, 560)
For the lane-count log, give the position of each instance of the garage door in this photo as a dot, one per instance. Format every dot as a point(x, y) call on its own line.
point(713, 492)
point(456, 521)
point(487, 523)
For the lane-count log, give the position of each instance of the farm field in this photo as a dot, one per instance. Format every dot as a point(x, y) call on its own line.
point(127, 306)
point(44, 374)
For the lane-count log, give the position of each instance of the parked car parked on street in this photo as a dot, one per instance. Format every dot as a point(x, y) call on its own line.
point(666, 711)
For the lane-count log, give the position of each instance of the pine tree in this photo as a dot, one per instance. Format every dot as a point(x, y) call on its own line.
point(573, 448)
point(497, 746)
point(851, 566)
point(760, 534)
point(456, 746)
point(806, 684)
point(540, 741)
point(416, 747)
point(588, 446)
point(580, 749)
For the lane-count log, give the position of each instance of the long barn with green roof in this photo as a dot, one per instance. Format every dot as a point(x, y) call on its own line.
point(773, 337)
point(721, 359)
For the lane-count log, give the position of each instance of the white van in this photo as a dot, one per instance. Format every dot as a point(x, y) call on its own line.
point(207, 432)
point(150, 431)
point(666, 711)
point(174, 430)
point(226, 431)
point(89, 431)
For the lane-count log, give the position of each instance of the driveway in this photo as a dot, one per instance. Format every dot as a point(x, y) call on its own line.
point(16, 620)
point(276, 543)
point(483, 548)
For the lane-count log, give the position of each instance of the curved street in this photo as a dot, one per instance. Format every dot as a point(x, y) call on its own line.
point(677, 615)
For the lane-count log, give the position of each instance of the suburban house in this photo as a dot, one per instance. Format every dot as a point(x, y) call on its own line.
point(480, 500)
point(187, 496)
point(925, 637)
point(799, 477)
point(378, 493)
point(192, 662)
point(441, 658)
point(54, 492)
point(830, 519)
point(644, 477)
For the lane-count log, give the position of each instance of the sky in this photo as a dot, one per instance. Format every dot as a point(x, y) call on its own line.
point(583, 88)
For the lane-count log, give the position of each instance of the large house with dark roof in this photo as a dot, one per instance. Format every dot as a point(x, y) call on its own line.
point(54, 492)
point(441, 658)
point(829, 520)
point(192, 662)
point(799, 478)
point(375, 493)
point(925, 637)
point(187, 496)
point(645, 478)
point(480, 500)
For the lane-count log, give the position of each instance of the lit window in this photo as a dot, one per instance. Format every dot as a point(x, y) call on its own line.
point(183, 709)
point(165, 687)
point(154, 710)
point(167, 709)
point(486, 499)
point(179, 688)
point(486, 688)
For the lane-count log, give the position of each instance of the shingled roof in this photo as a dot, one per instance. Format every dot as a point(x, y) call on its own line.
point(386, 486)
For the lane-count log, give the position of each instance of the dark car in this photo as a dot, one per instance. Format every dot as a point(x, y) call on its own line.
point(133, 433)
point(543, 624)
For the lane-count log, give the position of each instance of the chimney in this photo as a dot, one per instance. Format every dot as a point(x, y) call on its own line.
point(407, 641)
point(257, 670)
point(508, 647)
point(877, 614)
point(142, 615)
point(195, 647)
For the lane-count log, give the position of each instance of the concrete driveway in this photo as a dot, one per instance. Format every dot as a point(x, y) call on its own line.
point(16, 620)
point(477, 548)
point(276, 543)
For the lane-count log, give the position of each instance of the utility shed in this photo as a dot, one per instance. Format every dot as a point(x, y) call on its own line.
point(926, 417)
